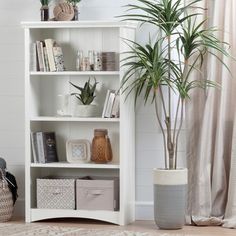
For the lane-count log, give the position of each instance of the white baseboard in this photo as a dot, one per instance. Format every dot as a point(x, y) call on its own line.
point(144, 211)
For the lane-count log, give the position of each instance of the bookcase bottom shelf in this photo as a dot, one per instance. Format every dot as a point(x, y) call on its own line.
point(43, 214)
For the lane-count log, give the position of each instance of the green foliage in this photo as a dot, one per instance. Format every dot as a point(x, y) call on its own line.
point(73, 2)
point(86, 95)
point(44, 2)
point(153, 62)
point(152, 67)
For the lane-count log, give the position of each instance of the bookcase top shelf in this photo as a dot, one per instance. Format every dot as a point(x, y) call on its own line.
point(92, 73)
point(75, 119)
point(75, 165)
point(78, 24)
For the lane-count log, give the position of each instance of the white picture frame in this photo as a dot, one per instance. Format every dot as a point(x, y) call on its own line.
point(78, 151)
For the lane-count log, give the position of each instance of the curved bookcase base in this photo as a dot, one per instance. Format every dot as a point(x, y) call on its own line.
point(44, 214)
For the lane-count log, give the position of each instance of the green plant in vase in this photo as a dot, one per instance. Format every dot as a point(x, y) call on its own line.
point(85, 97)
point(152, 68)
point(44, 10)
point(76, 11)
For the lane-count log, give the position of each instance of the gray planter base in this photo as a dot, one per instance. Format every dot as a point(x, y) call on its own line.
point(169, 206)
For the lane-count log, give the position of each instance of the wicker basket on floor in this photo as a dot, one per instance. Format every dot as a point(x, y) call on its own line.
point(6, 201)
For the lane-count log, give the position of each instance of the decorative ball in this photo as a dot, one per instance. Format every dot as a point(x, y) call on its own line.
point(63, 12)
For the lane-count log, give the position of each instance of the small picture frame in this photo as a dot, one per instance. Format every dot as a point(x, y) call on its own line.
point(78, 151)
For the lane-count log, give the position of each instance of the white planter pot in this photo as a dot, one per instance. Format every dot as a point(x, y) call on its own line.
point(85, 110)
point(170, 197)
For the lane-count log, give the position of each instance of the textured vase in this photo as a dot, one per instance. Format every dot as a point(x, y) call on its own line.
point(170, 196)
point(85, 110)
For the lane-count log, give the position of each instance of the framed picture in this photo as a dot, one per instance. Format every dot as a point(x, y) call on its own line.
point(78, 151)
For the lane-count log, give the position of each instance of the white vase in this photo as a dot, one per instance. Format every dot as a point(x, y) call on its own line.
point(170, 197)
point(85, 110)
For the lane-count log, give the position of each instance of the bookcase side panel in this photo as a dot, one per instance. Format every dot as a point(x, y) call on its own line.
point(127, 140)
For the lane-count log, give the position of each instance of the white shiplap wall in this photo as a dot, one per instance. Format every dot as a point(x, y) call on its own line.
point(149, 151)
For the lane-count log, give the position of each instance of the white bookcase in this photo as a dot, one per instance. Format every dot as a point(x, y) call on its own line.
point(41, 90)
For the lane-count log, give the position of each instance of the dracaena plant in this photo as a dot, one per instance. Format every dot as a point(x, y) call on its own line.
point(151, 68)
point(86, 94)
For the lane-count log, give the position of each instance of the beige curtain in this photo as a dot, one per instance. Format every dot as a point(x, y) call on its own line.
point(211, 130)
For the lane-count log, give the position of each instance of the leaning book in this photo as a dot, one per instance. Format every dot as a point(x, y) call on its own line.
point(44, 148)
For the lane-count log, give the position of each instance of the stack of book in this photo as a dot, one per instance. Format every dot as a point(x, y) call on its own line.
point(47, 56)
point(44, 148)
point(111, 107)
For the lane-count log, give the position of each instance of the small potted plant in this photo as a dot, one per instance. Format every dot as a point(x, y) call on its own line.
point(85, 97)
point(44, 10)
point(74, 4)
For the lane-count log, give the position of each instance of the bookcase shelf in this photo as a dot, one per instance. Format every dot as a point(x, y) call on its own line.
point(76, 73)
point(74, 119)
point(75, 165)
point(42, 93)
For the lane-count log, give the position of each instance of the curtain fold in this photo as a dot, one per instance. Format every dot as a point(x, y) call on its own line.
point(210, 117)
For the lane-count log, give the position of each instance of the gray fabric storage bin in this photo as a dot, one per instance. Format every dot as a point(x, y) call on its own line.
point(55, 193)
point(97, 194)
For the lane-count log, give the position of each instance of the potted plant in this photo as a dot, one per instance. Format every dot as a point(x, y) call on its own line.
point(44, 10)
point(85, 97)
point(76, 11)
point(152, 68)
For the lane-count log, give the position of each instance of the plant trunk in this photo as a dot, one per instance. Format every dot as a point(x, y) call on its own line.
point(170, 143)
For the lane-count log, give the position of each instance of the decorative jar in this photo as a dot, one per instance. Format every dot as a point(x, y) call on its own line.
point(101, 147)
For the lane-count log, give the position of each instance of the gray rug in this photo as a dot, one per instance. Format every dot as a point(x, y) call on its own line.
point(7, 229)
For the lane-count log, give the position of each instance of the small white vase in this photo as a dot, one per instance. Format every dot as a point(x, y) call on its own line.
point(85, 110)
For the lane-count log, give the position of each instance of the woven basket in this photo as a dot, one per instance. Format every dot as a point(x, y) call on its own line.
point(6, 201)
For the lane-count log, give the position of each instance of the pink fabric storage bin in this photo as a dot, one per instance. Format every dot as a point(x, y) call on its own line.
point(97, 194)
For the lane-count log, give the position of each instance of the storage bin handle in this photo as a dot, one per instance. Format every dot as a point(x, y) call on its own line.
point(56, 192)
point(95, 192)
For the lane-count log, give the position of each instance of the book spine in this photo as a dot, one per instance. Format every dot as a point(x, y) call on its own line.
point(39, 54)
point(105, 103)
point(34, 147)
point(116, 107)
point(33, 57)
point(41, 154)
point(49, 46)
point(42, 52)
point(46, 58)
point(109, 105)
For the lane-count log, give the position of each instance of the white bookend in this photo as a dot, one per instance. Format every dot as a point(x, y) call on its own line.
point(41, 156)
point(49, 46)
point(110, 102)
point(58, 58)
point(40, 55)
point(116, 107)
point(34, 147)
